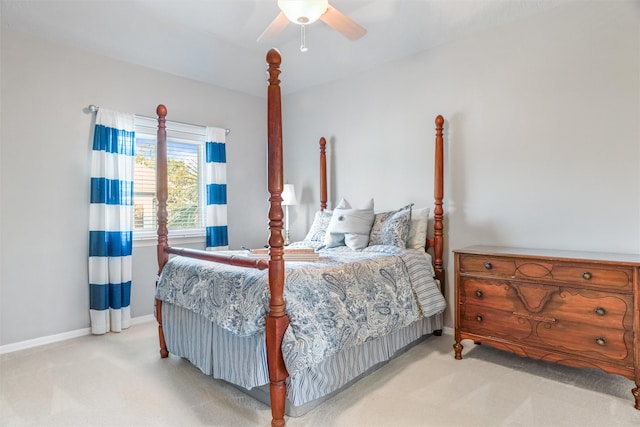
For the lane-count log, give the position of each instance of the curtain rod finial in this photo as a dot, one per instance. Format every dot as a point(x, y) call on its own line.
point(93, 108)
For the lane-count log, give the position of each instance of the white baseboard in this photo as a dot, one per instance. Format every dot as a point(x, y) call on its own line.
point(23, 345)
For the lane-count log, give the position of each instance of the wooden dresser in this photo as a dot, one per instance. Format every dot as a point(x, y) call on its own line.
point(577, 308)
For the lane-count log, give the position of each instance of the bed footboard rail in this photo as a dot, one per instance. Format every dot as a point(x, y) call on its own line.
point(230, 259)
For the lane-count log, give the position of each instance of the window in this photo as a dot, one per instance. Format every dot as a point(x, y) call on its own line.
point(185, 163)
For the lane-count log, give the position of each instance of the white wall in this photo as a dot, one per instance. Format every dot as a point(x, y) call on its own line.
point(542, 134)
point(45, 174)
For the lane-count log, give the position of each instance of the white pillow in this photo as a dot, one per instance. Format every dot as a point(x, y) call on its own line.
point(350, 227)
point(418, 228)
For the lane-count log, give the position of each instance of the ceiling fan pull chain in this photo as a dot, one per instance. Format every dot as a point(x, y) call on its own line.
point(303, 37)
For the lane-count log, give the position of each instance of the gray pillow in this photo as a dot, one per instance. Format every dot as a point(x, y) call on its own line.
point(349, 227)
point(391, 228)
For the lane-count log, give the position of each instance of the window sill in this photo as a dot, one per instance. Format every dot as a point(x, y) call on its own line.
point(148, 239)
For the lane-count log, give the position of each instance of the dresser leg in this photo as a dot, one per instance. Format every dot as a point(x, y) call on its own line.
point(636, 394)
point(457, 347)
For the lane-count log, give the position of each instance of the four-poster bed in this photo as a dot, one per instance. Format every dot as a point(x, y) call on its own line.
point(246, 322)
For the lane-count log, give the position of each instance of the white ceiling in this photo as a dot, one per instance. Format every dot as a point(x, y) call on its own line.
point(214, 41)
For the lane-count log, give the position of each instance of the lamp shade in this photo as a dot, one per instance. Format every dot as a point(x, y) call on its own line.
point(303, 11)
point(289, 195)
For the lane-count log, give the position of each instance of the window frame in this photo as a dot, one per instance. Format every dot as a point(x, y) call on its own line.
point(181, 133)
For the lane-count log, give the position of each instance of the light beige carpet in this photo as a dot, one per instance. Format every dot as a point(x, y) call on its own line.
point(120, 380)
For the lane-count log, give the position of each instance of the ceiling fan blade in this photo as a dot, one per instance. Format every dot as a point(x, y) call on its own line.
point(275, 28)
point(342, 23)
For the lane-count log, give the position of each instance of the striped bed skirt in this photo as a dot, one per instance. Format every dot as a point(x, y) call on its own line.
point(242, 361)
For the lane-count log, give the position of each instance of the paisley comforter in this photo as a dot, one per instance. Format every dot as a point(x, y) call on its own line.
point(340, 301)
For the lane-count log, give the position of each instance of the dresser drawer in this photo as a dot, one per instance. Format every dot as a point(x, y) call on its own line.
point(591, 308)
point(549, 302)
point(611, 345)
point(487, 292)
point(487, 265)
point(589, 274)
point(543, 331)
point(482, 320)
point(618, 278)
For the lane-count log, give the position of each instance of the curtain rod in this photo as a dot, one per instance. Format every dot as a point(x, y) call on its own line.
point(95, 108)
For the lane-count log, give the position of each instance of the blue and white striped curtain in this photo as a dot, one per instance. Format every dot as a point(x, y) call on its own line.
point(111, 221)
point(215, 175)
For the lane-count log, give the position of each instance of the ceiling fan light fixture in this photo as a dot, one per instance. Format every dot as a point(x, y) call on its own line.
point(303, 12)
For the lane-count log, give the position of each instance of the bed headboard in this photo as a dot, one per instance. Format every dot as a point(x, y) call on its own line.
point(435, 243)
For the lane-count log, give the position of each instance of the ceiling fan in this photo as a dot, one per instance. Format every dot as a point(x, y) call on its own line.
point(305, 12)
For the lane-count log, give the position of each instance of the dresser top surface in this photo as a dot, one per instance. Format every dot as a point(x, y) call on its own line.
point(633, 259)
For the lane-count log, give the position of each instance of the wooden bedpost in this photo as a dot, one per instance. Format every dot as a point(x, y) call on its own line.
point(323, 174)
point(438, 213)
point(277, 320)
point(162, 195)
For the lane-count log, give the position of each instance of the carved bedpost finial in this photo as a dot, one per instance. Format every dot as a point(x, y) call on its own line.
point(274, 60)
point(274, 57)
point(161, 111)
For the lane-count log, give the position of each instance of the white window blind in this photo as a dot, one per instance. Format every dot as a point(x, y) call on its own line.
point(185, 159)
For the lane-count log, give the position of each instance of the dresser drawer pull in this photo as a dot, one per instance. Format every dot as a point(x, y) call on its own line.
point(586, 275)
point(600, 311)
point(479, 293)
point(488, 265)
point(479, 317)
point(534, 317)
point(601, 341)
